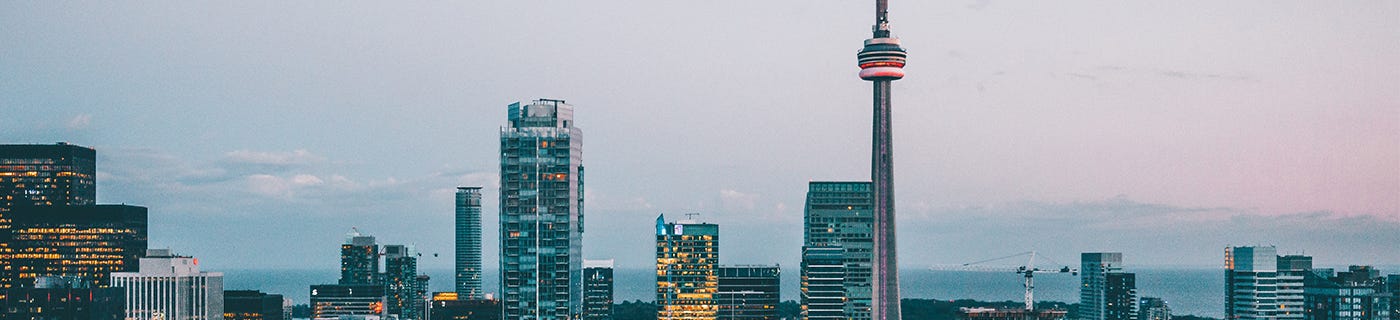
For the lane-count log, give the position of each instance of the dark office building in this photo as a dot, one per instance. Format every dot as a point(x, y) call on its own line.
point(597, 289)
point(336, 300)
point(748, 293)
point(1120, 295)
point(88, 242)
point(46, 175)
point(359, 260)
point(446, 306)
point(63, 299)
point(401, 281)
point(252, 305)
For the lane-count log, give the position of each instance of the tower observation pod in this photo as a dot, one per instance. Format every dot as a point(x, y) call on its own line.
point(882, 59)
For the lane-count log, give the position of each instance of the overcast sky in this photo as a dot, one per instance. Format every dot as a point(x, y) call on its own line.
point(258, 133)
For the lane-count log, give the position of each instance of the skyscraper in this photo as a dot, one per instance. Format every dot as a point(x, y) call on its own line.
point(839, 215)
point(401, 282)
point(541, 212)
point(597, 289)
point(823, 273)
point(171, 286)
point(748, 292)
point(468, 251)
point(87, 242)
point(1260, 285)
point(881, 62)
point(359, 259)
point(1094, 284)
point(687, 256)
point(46, 175)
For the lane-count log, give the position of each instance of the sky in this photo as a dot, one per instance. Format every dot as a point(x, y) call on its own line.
point(260, 132)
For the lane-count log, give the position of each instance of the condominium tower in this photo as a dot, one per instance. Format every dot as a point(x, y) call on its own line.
point(359, 260)
point(541, 215)
point(687, 256)
point(401, 288)
point(468, 251)
point(171, 287)
point(1106, 292)
point(1261, 285)
point(838, 216)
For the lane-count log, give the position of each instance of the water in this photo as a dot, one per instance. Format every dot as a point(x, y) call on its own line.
point(1187, 291)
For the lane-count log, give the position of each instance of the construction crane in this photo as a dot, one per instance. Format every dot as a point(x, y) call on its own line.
point(1028, 271)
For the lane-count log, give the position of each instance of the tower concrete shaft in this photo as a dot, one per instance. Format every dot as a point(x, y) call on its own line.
point(882, 61)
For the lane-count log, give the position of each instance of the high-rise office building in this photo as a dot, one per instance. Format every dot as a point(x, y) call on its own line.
point(541, 216)
point(401, 282)
point(1261, 285)
point(597, 289)
point(333, 301)
point(1150, 308)
point(1096, 292)
point(823, 275)
point(1356, 294)
point(1120, 296)
point(468, 250)
point(839, 215)
point(687, 256)
point(88, 242)
point(45, 175)
point(63, 298)
point(252, 305)
point(748, 292)
point(171, 287)
point(359, 260)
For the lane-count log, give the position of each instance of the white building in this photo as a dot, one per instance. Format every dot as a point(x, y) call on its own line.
point(1260, 285)
point(171, 287)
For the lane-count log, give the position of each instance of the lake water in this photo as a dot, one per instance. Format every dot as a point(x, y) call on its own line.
point(1188, 291)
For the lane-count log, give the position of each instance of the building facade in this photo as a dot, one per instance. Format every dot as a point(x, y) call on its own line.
point(1356, 294)
point(252, 305)
point(749, 292)
point(1093, 281)
point(62, 298)
point(541, 216)
point(597, 289)
point(839, 215)
point(47, 175)
point(401, 286)
point(1150, 308)
point(333, 301)
point(171, 287)
point(88, 242)
point(1120, 296)
point(468, 249)
point(823, 272)
point(1256, 287)
point(687, 259)
point(359, 260)
point(447, 306)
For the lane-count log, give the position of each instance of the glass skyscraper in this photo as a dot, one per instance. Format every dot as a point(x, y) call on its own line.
point(359, 260)
point(401, 288)
point(541, 216)
point(687, 259)
point(46, 175)
point(84, 242)
point(838, 216)
point(468, 251)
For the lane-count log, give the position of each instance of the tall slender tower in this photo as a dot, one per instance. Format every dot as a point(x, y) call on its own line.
point(468, 251)
point(882, 61)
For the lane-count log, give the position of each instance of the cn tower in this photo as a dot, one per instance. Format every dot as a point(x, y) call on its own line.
point(882, 61)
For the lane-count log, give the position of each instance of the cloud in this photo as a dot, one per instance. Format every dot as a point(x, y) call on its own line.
point(272, 161)
point(735, 201)
point(79, 122)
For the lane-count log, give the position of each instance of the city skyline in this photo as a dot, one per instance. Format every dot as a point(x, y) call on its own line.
point(1234, 157)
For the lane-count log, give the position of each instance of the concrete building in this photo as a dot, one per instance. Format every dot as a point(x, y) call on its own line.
point(88, 242)
point(687, 259)
point(1008, 314)
point(823, 272)
point(252, 305)
point(62, 298)
point(1106, 292)
point(171, 287)
point(840, 215)
point(597, 289)
point(47, 175)
point(541, 216)
point(1150, 308)
point(359, 260)
point(748, 292)
point(1356, 294)
point(468, 245)
point(334, 301)
point(401, 286)
point(1261, 285)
